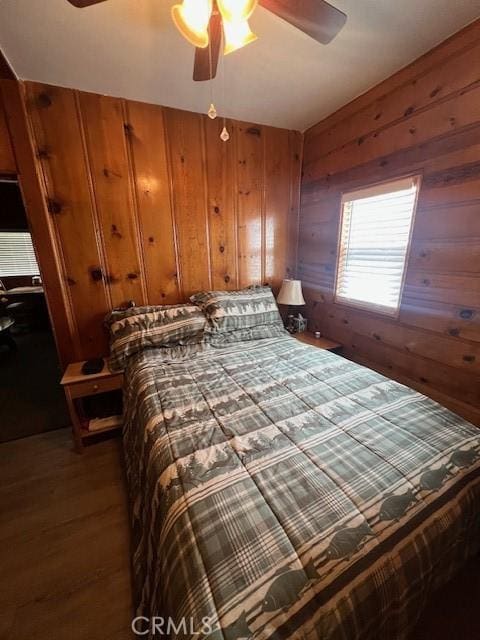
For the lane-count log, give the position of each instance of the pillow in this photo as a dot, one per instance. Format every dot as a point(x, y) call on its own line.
point(244, 309)
point(132, 330)
point(221, 339)
point(120, 314)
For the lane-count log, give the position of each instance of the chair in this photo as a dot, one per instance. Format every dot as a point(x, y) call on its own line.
point(5, 338)
point(22, 313)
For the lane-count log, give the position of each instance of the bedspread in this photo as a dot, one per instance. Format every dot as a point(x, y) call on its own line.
point(281, 491)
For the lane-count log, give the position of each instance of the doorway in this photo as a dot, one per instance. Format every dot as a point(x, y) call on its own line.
point(31, 399)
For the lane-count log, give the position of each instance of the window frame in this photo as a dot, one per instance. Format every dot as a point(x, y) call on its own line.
point(369, 306)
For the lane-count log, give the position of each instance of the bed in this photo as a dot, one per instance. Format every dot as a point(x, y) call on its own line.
point(281, 491)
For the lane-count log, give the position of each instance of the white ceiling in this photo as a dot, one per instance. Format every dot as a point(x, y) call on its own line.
point(130, 48)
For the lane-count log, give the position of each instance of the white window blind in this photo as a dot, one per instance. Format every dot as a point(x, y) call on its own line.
point(374, 240)
point(17, 257)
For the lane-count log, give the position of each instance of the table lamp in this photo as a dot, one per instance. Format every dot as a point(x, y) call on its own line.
point(291, 295)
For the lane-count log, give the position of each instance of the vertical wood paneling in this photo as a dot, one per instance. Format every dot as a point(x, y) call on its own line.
point(250, 195)
point(39, 219)
point(146, 133)
point(58, 137)
point(107, 154)
point(185, 139)
point(7, 160)
point(277, 204)
point(221, 203)
point(430, 125)
point(296, 156)
point(148, 204)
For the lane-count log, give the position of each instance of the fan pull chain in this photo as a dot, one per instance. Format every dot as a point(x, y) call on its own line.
point(224, 136)
point(212, 112)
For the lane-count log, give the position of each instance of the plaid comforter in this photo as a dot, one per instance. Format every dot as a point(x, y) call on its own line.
point(282, 491)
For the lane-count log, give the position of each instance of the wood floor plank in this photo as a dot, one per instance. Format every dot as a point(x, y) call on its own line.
point(65, 540)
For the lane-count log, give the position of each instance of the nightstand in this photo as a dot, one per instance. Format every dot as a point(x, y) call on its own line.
point(322, 343)
point(78, 386)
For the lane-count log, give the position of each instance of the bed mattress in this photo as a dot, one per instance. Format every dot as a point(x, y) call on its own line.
point(281, 491)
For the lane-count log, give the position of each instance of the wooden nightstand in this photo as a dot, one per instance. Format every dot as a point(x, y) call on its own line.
point(322, 343)
point(77, 386)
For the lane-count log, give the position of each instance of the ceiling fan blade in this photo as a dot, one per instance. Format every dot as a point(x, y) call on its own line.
point(80, 4)
point(206, 60)
point(316, 18)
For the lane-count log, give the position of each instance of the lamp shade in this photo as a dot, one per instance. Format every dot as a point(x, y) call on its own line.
point(291, 293)
point(191, 18)
point(232, 10)
point(237, 35)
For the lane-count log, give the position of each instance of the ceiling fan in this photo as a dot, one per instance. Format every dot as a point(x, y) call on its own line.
point(203, 22)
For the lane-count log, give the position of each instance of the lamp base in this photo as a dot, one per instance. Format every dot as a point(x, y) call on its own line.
point(296, 324)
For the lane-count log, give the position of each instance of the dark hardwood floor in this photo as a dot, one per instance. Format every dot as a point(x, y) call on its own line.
point(64, 549)
point(64, 541)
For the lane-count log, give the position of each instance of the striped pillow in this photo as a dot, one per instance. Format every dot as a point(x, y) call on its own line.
point(219, 339)
point(133, 330)
point(244, 309)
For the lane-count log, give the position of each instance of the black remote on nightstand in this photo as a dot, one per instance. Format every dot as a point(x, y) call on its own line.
point(95, 365)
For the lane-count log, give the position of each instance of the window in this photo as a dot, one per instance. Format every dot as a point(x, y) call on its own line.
point(374, 241)
point(17, 257)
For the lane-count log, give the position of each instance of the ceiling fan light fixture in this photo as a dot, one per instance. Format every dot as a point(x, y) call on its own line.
point(237, 35)
point(234, 10)
point(191, 18)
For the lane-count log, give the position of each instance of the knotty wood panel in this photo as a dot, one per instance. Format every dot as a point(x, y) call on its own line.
point(441, 287)
point(455, 388)
point(407, 99)
point(7, 160)
point(148, 204)
point(104, 121)
point(221, 205)
point(277, 205)
point(40, 223)
point(296, 150)
point(424, 119)
point(185, 139)
point(436, 223)
point(459, 111)
point(250, 199)
point(146, 134)
point(441, 317)
point(60, 148)
point(433, 59)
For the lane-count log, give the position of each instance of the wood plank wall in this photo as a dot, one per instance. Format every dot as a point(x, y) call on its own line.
point(425, 118)
point(8, 165)
point(27, 171)
point(148, 204)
